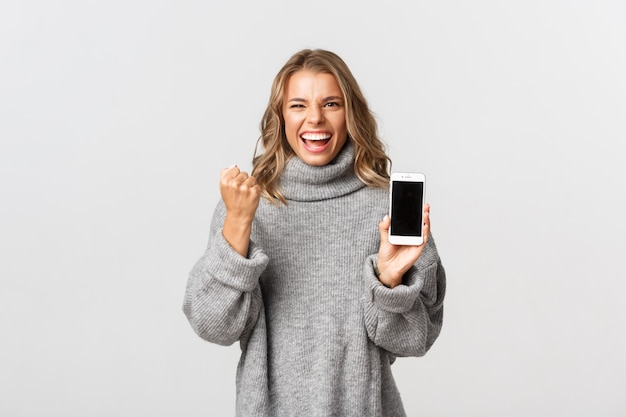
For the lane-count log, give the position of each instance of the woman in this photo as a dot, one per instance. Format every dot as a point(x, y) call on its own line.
point(298, 267)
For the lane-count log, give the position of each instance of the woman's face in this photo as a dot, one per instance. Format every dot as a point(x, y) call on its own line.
point(315, 116)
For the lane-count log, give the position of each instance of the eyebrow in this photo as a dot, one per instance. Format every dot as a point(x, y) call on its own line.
point(325, 100)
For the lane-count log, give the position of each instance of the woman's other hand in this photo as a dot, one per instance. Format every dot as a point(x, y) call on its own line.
point(394, 260)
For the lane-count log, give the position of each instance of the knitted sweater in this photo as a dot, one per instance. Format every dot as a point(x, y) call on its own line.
point(318, 332)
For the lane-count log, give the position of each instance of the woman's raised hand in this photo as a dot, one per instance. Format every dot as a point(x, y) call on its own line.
point(241, 196)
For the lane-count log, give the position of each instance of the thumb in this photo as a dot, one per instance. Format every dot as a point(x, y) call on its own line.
point(230, 172)
point(383, 228)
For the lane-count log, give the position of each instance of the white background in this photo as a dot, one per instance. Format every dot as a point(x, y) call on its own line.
point(116, 117)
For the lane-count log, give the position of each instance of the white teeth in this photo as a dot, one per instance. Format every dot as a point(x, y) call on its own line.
point(315, 136)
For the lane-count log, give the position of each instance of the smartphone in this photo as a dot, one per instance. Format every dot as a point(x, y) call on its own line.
point(406, 207)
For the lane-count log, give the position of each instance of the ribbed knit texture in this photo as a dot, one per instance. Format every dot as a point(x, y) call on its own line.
point(317, 330)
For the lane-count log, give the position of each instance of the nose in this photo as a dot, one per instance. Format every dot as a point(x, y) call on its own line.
point(315, 116)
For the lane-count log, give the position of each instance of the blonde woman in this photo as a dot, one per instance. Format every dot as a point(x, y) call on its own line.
point(299, 269)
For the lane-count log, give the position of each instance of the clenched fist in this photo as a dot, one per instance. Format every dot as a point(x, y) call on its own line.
point(241, 196)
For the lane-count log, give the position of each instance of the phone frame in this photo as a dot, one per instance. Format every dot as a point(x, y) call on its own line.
point(406, 177)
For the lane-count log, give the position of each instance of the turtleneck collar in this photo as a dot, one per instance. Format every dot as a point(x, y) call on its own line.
point(302, 182)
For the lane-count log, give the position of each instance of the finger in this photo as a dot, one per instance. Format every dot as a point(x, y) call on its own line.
point(426, 225)
point(242, 179)
point(250, 181)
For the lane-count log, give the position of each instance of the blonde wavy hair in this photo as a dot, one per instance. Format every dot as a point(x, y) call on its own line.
point(371, 163)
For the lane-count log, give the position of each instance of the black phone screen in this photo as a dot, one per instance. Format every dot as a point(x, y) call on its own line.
point(406, 208)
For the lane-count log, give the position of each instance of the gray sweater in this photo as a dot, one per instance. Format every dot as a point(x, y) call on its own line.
point(318, 332)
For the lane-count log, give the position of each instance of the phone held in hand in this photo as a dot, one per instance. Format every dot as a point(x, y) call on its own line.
point(406, 206)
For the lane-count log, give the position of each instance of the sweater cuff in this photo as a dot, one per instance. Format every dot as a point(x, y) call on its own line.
point(232, 269)
point(394, 300)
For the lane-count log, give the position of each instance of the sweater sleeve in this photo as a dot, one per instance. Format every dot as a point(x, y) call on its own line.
point(223, 298)
point(407, 319)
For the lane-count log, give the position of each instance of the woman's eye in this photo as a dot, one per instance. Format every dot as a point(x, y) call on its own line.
point(332, 104)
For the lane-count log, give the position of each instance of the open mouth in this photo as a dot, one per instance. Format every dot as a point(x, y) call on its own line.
point(315, 140)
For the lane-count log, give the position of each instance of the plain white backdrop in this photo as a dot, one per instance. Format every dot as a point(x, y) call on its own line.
point(116, 117)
